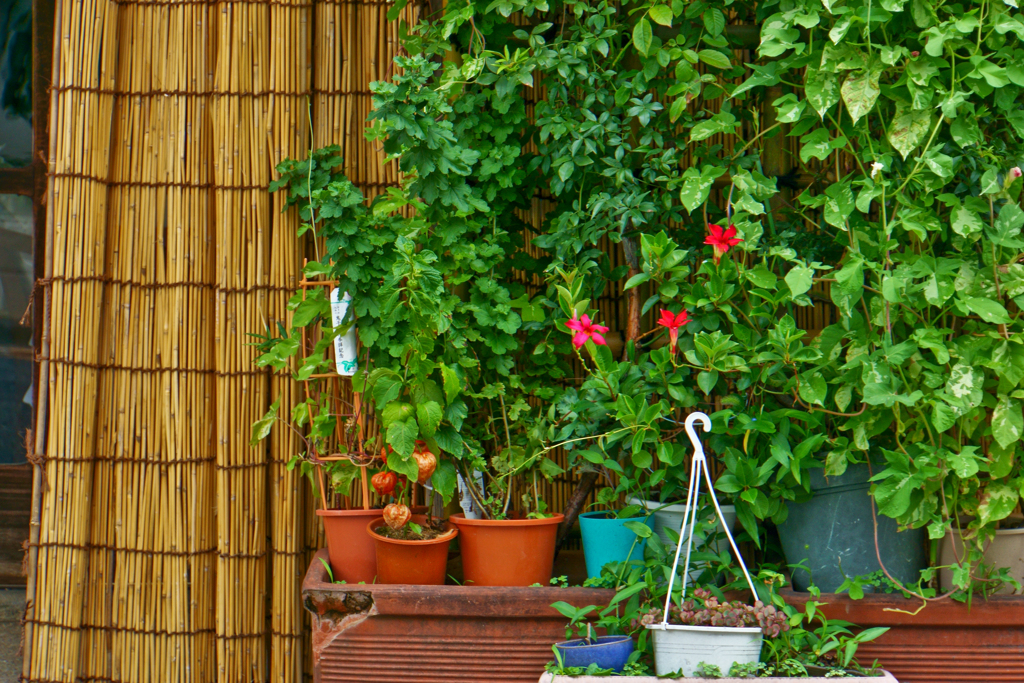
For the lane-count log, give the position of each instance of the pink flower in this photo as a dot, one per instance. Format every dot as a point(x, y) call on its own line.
point(722, 240)
point(585, 330)
point(673, 322)
point(1015, 172)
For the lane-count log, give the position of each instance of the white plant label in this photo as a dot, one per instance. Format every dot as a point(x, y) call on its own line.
point(344, 344)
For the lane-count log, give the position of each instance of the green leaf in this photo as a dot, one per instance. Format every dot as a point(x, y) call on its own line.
point(966, 222)
point(642, 36)
point(893, 495)
point(799, 279)
point(316, 269)
point(997, 503)
point(943, 416)
point(661, 14)
point(261, 427)
point(445, 479)
point(822, 90)
point(839, 204)
point(964, 463)
point(1006, 229)
point(697, 186)
point(714, 21)
point(965, 383)
point(428, 415)
point(642, 459)
point(707, 380)
point(639, 528)
point(818, 144)
point(989, 310)
point(860, 91)
point(908, 129)
point(451, 382)
point(723, 122)
point(636, 281)
point(813, 389)
point(386, 389)
point(402, 435)
point(549, 469)
point(449, 440)
point(1007, 421)
point(762, 277)
point(403, 464)
point(715, 58)
point(677, 108)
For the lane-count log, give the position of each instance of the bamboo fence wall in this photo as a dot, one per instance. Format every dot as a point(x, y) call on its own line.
point(164, 547)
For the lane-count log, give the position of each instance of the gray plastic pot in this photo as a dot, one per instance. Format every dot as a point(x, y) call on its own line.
point(833, 535)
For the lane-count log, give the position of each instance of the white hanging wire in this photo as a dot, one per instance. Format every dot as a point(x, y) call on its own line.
point(697, 467)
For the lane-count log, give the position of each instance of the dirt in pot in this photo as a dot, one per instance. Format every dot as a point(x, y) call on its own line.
point(413, 531)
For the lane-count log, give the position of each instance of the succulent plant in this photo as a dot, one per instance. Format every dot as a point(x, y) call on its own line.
point(704, 609)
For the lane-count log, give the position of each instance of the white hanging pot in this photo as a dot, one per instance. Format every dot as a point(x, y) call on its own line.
point(685, 647)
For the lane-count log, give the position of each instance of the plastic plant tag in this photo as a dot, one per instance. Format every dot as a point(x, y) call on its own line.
point(345, 343)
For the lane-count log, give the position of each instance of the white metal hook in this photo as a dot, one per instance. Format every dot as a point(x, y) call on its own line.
point(698, 447)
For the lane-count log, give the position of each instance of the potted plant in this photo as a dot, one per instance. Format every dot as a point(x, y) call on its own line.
point(438, 337)
point(333, 465)
point(411, 549)
point(704, 630)
point(610, 536)
point(586, 650)
point(797, 643)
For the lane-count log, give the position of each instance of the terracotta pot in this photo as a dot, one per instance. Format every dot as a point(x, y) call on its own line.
point(935, 642)
point(446, 633)
point(353, 557)
point(507, 552)
point(1006, 550)
point(414, 563)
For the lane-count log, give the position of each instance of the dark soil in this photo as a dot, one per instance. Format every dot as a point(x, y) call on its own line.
point(428, 533)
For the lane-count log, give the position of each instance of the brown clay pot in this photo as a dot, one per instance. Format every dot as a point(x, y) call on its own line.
point(939, 642)
point(413, 563)
point(353, 557)
point(434, 634)
point(507, 552)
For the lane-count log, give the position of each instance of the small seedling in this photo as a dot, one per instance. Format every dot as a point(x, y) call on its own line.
point(745, 669)
point(330, 574)
point(705, 670)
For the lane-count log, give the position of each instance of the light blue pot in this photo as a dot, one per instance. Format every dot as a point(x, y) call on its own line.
point(606, 539)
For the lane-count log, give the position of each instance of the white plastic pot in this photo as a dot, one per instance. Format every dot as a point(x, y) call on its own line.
point(671, 517)
point(685, 647)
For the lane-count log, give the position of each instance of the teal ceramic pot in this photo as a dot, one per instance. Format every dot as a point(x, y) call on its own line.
point(606, 539)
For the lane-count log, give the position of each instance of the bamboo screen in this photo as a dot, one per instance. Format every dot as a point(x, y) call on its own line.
point(164, 547)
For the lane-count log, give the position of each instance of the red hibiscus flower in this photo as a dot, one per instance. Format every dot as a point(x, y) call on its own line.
point(585, 330)
point(722, 240)
point(673, 321)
